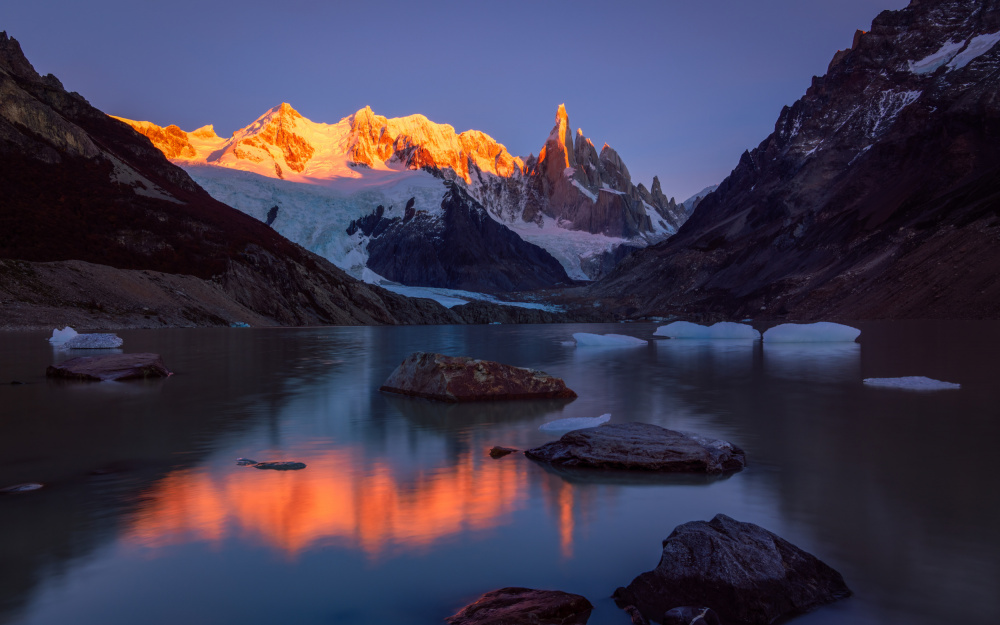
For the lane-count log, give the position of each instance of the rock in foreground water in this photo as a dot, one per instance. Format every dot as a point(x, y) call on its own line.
point(460, 379)
point(110, 367)
point(499, 452)
point(640, 446)
point(743, 572)
point(524, 605)
point(687, 615)
point(280, 465)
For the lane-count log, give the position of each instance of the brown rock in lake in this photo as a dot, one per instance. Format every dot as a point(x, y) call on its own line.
point(110, 367)
point(460, 379)
point(524, 605)
point(640, 446)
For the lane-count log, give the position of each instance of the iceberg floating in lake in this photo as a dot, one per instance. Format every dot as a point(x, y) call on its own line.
point(607, 340)
point(574, 423)
point(821, 332)
point(61, 336)
point(721, 330)
point(912, 383)
point(93, 341)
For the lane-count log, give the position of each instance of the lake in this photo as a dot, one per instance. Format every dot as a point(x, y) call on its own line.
point(402, 517)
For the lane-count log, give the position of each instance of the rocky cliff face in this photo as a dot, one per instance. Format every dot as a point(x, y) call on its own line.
point(876, 196)
point(79, 185)
point(457, 247)
point(573, 184)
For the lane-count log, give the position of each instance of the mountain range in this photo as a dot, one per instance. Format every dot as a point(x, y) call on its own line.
point(579, 205)
point(876, 196)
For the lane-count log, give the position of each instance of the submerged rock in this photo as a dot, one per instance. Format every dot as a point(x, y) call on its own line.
point(280, 466)
point(21, 488)
point(524, 605)
point(245, 462)
point(640, 446)
point(500, 452)
point(93, 341)
point(458, 379)
point(690, 616)
point(743, 572)
point(110, 367)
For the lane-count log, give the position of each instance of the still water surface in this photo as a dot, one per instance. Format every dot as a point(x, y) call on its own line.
point(402, 517)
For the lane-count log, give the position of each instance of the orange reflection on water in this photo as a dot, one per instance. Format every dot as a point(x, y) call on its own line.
point(341, 497)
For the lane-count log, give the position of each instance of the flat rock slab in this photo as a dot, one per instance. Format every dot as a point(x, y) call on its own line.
point(461, 379)
point(743, 572)
point(640, 446)
point(280, 466)
point(110, 367)
point(508, 606)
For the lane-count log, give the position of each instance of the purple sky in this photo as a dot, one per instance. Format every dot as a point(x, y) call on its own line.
point(678, 87)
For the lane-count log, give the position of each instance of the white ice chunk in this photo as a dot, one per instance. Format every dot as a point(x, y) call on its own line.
point(977, 47)
point(721, 330)
point(912, 383)
point(61, 336)
point(575, 423)
point(93, 341)
point(607, 340)
point(821, 332)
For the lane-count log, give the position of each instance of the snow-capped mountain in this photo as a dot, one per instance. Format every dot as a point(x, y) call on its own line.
point(92, 206)
point(875, 196)
point(570, 200)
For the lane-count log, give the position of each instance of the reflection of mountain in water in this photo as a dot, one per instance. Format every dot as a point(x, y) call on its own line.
point(342, 497)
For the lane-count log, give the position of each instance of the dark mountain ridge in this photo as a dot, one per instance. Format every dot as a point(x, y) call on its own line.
point(79, 185)
point(877, 195)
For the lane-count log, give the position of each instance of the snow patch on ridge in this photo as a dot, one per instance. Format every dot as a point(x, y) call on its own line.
point(955, 54)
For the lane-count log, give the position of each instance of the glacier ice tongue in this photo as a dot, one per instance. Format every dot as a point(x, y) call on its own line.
point(607, 340)
point(820, 332)
point(61, 336)
point(912, 383)
point(574, 423)
point(721, 330)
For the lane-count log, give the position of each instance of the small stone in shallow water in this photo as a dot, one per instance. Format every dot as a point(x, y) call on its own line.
point(245, 462)
point(500, 452)
point(280, 466)
point(690, 616)
point(21, 488)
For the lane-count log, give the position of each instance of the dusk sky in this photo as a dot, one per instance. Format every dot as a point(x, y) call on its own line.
point(679, 88)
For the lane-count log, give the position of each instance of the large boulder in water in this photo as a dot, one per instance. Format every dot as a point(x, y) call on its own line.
point(741, 571)
point(640, 446)
point(524, 605)
point(459, 379)
point(110, 367)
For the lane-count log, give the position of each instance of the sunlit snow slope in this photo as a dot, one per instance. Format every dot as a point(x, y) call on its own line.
point(313, 179)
